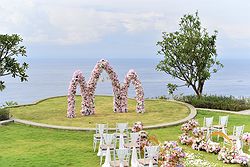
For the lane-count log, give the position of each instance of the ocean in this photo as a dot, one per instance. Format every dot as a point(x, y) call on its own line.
point(51, 77)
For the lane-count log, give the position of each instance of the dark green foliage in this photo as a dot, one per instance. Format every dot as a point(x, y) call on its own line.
point(10, 49)
point(10, 104)
point(216, 102)
point(4, 114)
point(189, 54)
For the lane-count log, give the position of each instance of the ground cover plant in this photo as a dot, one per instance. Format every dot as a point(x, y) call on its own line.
point(31, 146)
point(45, 112)
point(4, 114)
point(216, 102)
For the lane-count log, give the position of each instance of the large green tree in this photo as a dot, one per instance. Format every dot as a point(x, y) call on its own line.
point(10, 50)
point(189, 54)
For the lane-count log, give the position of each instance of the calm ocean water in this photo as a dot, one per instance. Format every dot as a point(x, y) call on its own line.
point(50, 77)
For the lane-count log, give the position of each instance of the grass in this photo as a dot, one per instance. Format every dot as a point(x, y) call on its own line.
point(53, 111)
point(31, 146)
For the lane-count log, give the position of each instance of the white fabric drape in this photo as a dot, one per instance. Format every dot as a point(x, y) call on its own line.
point(99, 153)
point(107, 158)
point(152, 151)
point(134, 158)
point(122, 126)
point(121, 154)
point(101, 130)
point(121, 141)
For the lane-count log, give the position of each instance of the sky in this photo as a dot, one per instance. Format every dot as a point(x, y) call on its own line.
point(120, 28)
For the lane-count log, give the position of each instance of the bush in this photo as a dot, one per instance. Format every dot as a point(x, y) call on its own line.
point(4, 114)
point(216, 102)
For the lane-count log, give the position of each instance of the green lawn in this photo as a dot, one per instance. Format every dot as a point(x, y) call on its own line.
point(53, 111)
point(31, 146)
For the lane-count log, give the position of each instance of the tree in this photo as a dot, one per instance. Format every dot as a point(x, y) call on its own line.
point(10, 50)
point(189, 54)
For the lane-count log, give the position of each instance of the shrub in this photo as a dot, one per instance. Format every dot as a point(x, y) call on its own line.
point(216, 102)
point(4, 114)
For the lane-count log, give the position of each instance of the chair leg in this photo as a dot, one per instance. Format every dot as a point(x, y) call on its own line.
point(94, 145)
point(101, 160)
point(139, 153)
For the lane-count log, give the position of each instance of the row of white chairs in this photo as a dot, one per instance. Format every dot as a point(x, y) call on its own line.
point(121, 128)
point(122, 158)
point(129, 148)
point(222, 126)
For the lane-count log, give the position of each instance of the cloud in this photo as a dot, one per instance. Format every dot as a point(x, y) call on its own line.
point(75, 22)
point(71, 24)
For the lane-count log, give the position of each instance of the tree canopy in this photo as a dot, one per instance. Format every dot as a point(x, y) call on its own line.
point(189, 54)
point(10, 50)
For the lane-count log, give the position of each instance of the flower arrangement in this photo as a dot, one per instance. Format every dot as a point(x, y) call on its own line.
point(138, 126)
point(199, 144)
point(228, 155)
point(189, 126)
point(144, 139)
point(88, 90)
point(198, 133)
point(243, 160)
point(171, 155)
point(186, 139)
point(186, 128)
point(246, 138)
point(213, 147)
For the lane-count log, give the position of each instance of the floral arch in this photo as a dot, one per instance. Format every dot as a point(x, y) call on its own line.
point(88, 90)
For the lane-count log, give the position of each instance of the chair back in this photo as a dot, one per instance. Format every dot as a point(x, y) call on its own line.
point(109, 139)
point(135, 137)
point(101, 128)
point(151, 152)
point(121, 127)
point(122, 155)
point(238, 131)
point(208, 122)
point(223, 120)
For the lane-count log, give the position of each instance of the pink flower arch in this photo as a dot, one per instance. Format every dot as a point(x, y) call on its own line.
point(133, 78)
point(88, 90)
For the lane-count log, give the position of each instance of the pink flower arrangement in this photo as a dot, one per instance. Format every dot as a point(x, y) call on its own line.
point(138, 126)
point(246, 138)
point(199, 144)
point(88, 90)
point(228, 155)
point(189, 126)
point(171, 155)
point(243, 160)
point(144, 139)
point(213, 147)
point(198, 133)
point(186, 139)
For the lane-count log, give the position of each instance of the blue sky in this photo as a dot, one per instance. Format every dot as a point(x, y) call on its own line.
point(120, 28)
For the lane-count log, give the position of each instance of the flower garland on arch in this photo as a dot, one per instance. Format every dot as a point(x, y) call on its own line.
point(88, 90)
point(132, 77)
point(77, 79)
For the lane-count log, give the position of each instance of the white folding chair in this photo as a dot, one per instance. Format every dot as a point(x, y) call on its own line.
point(134, 141)
point(100, 130)
point(151, 154)
point(222, 126)
point(121, 158)
point(109, 144)
point(237, 133)
point(207, 125)
point(121, 133)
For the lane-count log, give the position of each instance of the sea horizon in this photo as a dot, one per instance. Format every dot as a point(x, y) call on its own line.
point(51, 76)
